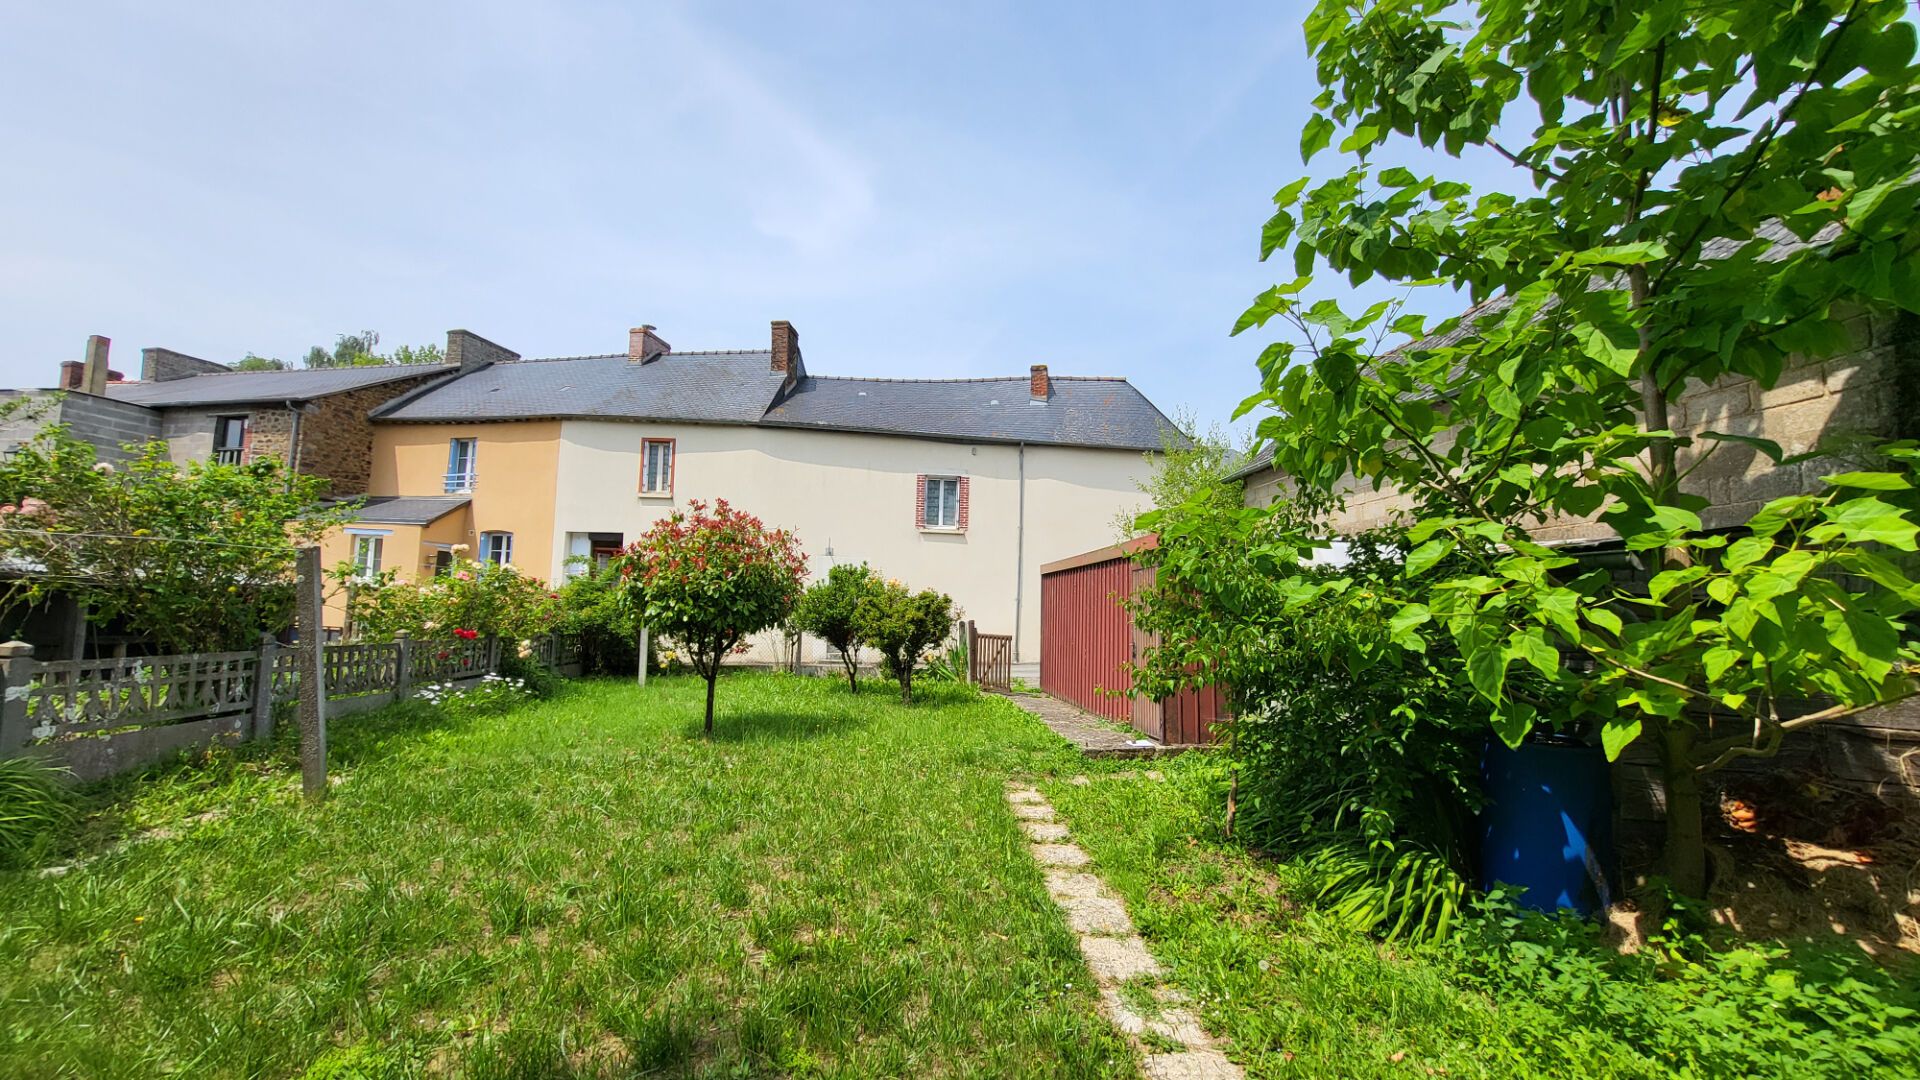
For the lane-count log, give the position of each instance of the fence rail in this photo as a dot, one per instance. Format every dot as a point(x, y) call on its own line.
point(101, 717)
point(990, 659)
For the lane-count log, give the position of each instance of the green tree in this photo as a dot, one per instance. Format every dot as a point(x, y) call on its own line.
point(254, 362)
point(830, 609)
point(197, 558)
point(1672, 148)
point(903, 627)
point(708, 577)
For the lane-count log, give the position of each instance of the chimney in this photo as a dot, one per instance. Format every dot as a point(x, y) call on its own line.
point(469, 351)
point(644, 345)
point(93, 376)
point(786, 349)
point(166, 365)
point(72, 375)
point(1038, 384)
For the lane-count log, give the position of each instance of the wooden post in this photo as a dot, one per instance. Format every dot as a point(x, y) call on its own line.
point(263, 688)
point(403, 666)
point(973, 652)
point(493, 654)
point(17, 667)
point(313, 675)
point(643, 654)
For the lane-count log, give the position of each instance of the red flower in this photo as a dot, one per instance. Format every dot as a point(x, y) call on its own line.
point(466, 635)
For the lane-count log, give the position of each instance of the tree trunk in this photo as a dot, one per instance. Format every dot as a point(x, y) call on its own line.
point(1686, 850)
point(713, 675)
point(906, 685)
point(853, 683)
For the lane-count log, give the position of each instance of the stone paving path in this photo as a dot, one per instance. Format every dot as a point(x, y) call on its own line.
point(1172, 1044)
point(1094, 735)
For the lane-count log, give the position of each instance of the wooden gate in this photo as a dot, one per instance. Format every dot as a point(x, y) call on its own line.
point(990, 656)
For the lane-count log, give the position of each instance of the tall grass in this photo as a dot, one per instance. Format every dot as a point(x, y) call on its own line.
point(34, 805)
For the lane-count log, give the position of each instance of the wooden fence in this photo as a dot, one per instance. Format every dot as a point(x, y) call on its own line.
point(102, 717)
point(989, 659)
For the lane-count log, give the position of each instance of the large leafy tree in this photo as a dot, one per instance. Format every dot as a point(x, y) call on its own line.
point(709, 576)
point(1700, 189)
point(196, 558)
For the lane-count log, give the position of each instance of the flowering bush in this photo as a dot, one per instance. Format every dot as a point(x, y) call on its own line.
point(469, 601)
point(709, 576)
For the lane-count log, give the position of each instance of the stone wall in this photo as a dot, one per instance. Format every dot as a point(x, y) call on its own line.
point(1834, 405)
point(104, 422)
point(466, 349)
point(336, 438)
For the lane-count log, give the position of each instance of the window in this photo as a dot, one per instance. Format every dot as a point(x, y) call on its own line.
point(497, 547)
point(229, 439)
point(442, 562)
point(940, 502)
point(460, 462)
point(366, 556)
point(656, 467)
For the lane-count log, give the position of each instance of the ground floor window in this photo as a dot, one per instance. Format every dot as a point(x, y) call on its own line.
point(497, 547)
point(366, 555)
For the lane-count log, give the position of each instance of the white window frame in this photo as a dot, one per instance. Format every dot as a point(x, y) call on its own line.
point(487, 553)
point(364, 543)
point(461, 480)
point(648, 485)
point(946, 506)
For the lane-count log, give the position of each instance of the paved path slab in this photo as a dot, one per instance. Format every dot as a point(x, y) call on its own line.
point(1116, 955)
point(1096, 736)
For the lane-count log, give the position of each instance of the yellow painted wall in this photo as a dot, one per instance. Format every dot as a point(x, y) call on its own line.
point(514, 466)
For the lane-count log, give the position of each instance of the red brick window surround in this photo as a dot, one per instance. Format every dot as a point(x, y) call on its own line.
point(656, 466)
point(940, 503)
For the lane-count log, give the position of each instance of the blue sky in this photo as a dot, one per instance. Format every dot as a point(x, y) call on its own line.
point(946, 190)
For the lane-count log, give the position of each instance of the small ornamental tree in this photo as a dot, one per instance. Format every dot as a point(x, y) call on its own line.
point(903, 626)
point(707, 577)
point(830, 611)
point(1707, 190)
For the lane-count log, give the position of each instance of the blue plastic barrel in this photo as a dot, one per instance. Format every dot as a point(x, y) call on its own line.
point(1548, 823)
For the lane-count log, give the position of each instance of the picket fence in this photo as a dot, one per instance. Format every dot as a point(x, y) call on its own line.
point(102, 717)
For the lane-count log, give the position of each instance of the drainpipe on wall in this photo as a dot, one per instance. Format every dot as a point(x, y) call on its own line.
point(1020, 553)
point(293, 443)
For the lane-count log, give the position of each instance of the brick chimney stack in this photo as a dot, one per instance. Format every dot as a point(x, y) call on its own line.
point(1038, 384)
point(644, 345)
point(786, 349)
point(93, 375)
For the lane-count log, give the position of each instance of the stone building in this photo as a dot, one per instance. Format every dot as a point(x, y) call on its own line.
point(314, 420)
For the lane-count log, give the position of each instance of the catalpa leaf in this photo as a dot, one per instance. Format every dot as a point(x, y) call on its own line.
point(1870, 481)
point(1422, 558)
point(1870, 521)
point(1617, 733)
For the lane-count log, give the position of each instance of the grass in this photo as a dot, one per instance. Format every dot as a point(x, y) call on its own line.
point(1297, 996)
point(579, 887)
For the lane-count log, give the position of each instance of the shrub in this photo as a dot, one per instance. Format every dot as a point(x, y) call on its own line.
point(902, 626)
point(486, 598)
point(594, 613)
point(708, 577)
point(830, 611)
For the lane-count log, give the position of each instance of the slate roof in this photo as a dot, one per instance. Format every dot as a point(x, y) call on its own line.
point(726, 387)
point(409, 509)
point(240, 387)
point(740, 387)
point(1098, 412)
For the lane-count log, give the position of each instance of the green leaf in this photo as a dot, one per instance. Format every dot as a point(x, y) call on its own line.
point(1315, 136)
point(1514, 722)
point(1870, 481)
point(1869, 640)
point(1870, 521)
point(1766, 446)
point(1666, 581)
point(1487, 669)
point(1422, 558)
point(1717, 660)
point(1531, 646)
point(1615, 346)
point(1746, 551)
point(1617, 733)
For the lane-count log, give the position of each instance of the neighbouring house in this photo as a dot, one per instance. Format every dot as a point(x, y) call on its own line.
point(316, 421)
point(963, 485)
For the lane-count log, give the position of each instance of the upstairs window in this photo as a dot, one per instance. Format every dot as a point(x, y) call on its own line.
point(942, 503)
point(656, 467)
point(460, 465)
point(229, 439)
point(366, 556)
point(497, 547)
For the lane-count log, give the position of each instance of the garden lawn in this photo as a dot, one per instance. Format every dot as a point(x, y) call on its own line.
point(1296, 996)
point(832, 886)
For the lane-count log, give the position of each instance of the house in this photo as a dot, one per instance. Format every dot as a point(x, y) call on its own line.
point(963, 485)
point(316, 421)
